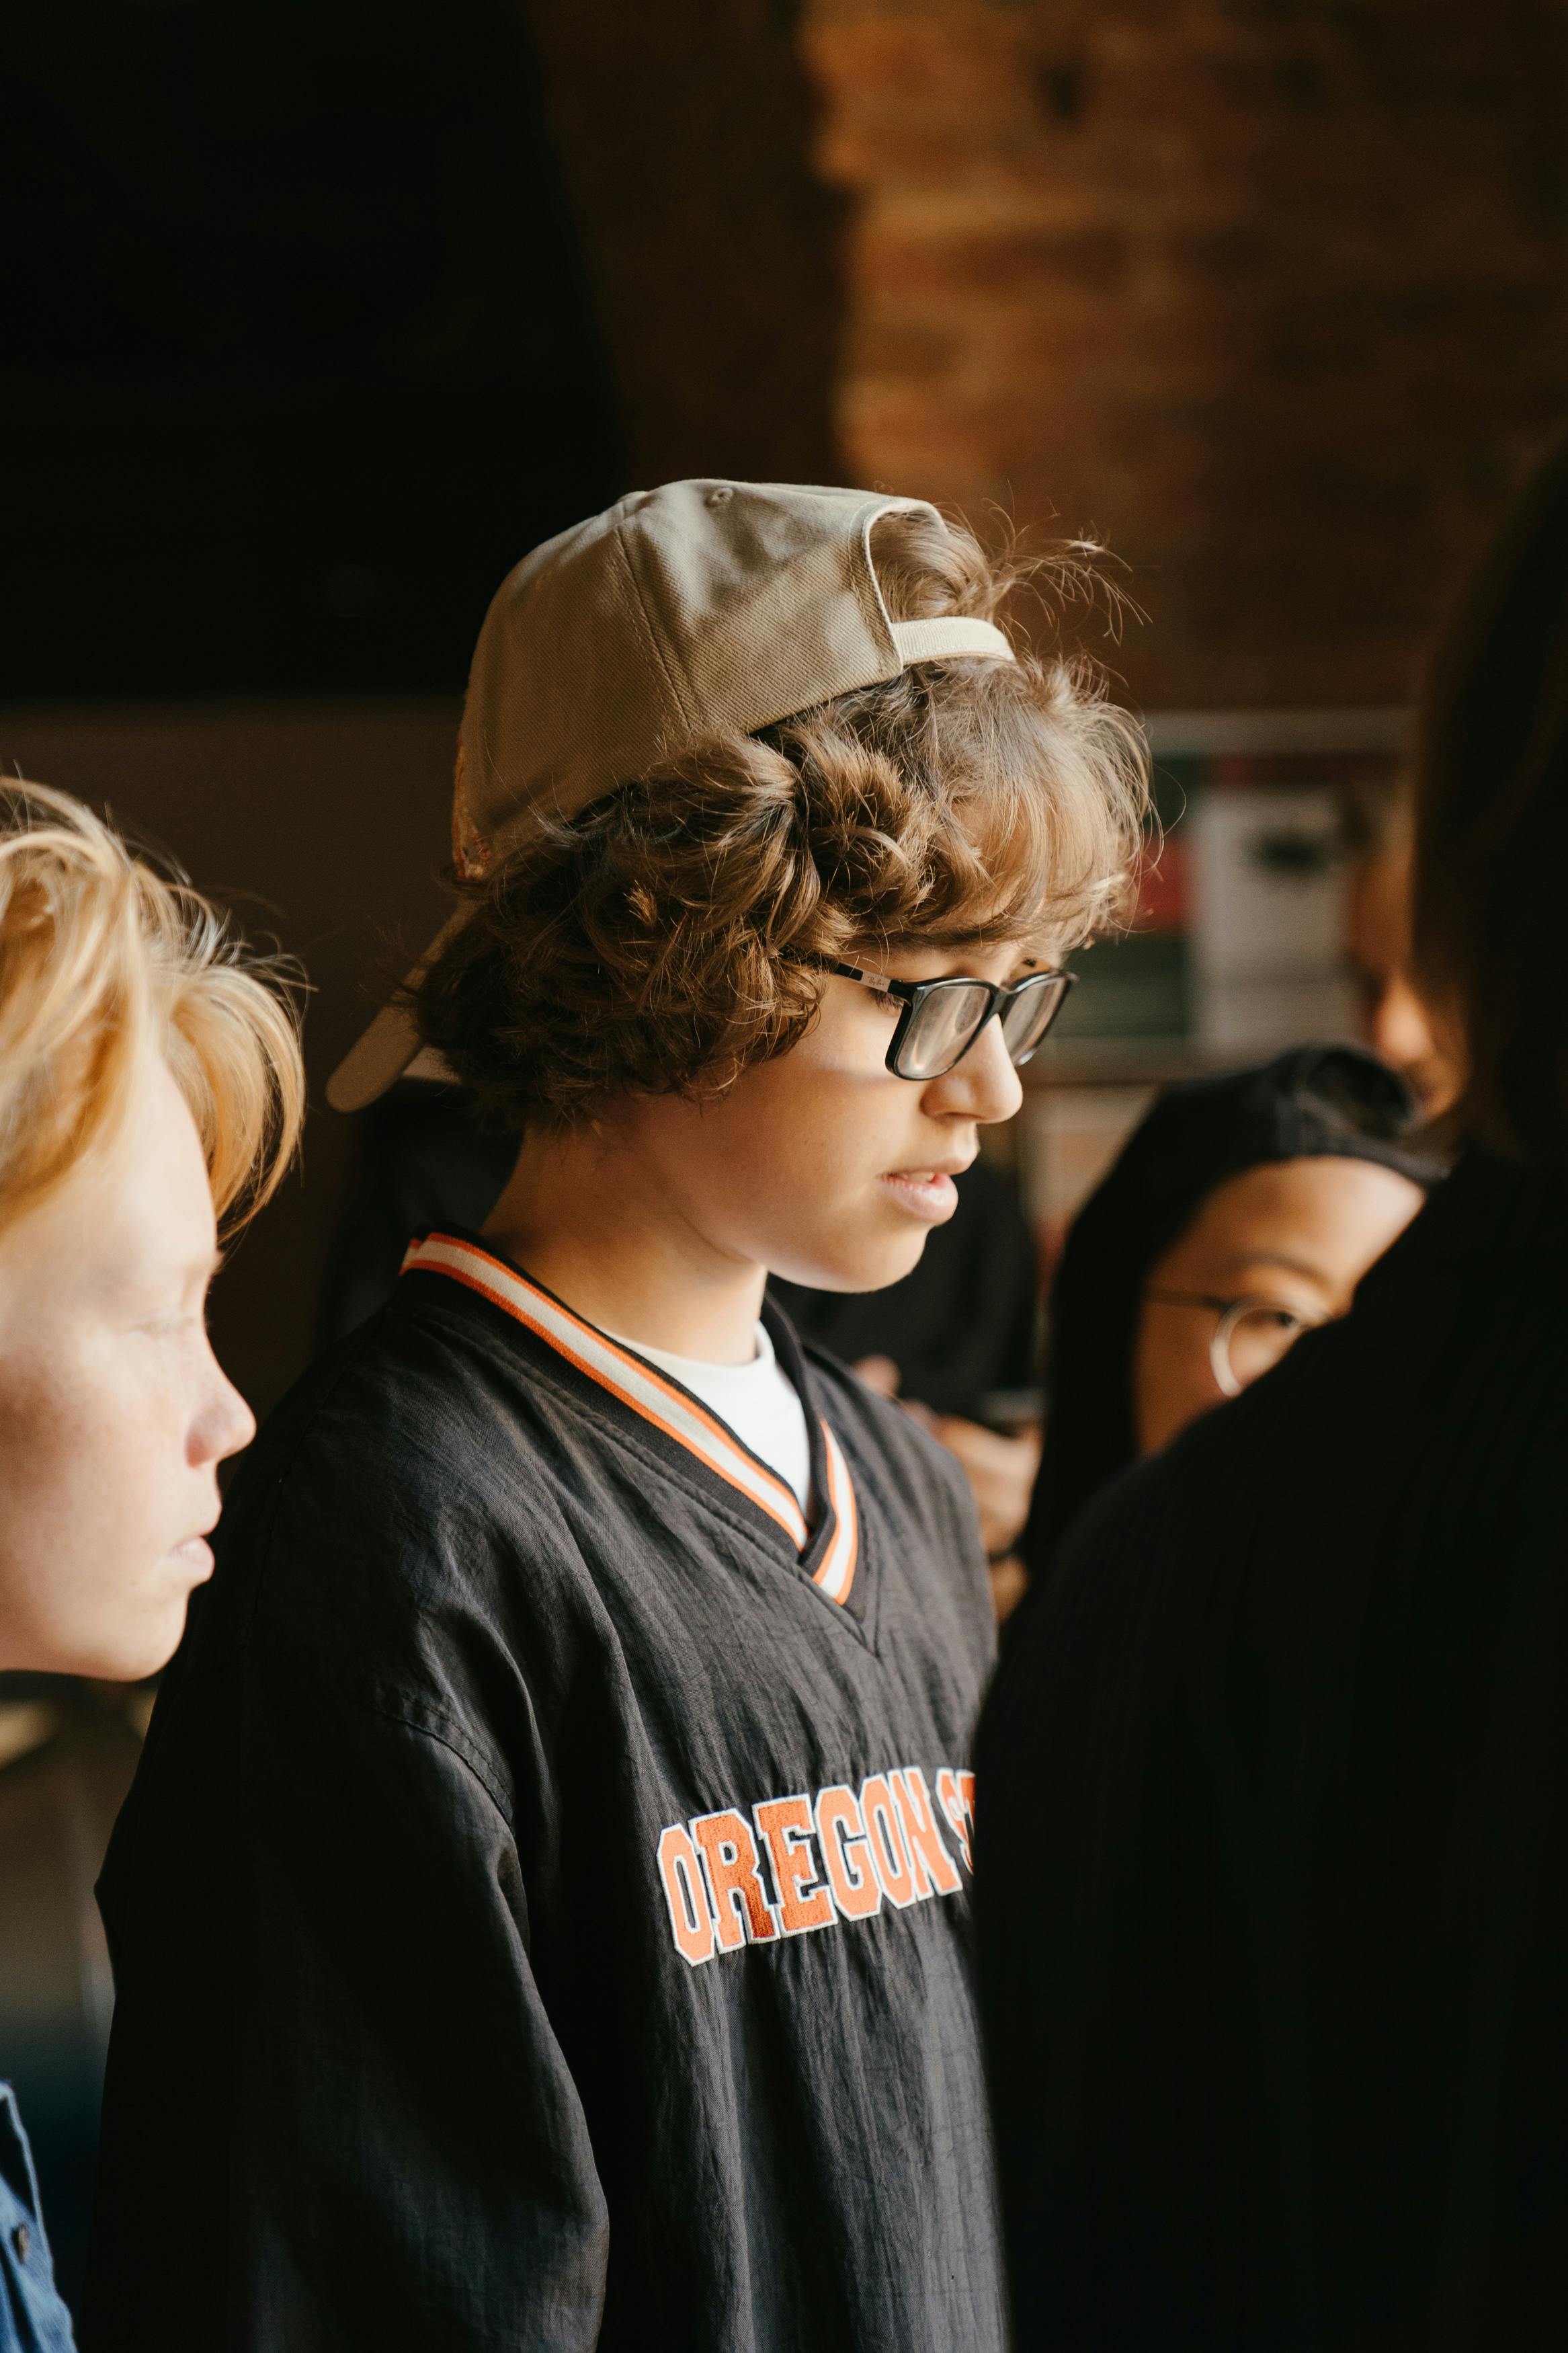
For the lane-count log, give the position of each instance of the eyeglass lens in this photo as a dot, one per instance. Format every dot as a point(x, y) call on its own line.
point(1026, 1020)
point(944, 1025)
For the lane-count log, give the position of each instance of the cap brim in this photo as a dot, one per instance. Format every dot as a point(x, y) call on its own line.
point(391, 1048)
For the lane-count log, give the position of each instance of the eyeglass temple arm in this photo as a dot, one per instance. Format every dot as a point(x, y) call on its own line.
point(884, 981)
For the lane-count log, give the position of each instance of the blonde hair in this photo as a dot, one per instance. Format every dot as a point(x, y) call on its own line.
point(104, 963)
point(669, 936)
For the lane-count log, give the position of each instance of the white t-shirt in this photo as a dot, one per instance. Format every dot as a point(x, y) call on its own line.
point(759, 1401)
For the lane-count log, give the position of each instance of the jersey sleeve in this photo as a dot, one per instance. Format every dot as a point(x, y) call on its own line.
point(335, 2077)
point(364, 2121)
point(449, 2189)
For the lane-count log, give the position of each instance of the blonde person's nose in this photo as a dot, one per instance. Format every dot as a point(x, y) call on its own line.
point(224, 1424)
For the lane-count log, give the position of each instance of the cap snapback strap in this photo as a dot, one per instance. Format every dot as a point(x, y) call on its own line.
point(950, 633)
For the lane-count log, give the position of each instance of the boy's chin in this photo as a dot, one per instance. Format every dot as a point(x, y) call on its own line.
point(885, 1259)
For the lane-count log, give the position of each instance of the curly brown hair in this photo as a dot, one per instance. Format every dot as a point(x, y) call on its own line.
point(661, 940)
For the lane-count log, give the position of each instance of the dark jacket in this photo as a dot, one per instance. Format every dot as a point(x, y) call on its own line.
point(541, 1917)
point(1274, 1911)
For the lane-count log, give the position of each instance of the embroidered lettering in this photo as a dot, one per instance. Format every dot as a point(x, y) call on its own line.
point(841, 1834)
point(935, 1871)
point(884, 1835)
point(783, 1825)
point(690, 1922)
point(801, 1864)
point(730, 1859)
point(950, 1798)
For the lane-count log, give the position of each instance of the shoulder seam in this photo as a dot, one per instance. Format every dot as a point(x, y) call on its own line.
point(468, 1754)
point(414, 1713)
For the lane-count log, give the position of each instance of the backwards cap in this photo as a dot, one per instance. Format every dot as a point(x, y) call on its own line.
point(705, 607)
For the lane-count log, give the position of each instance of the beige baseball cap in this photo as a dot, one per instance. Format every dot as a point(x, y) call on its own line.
point(682, 613)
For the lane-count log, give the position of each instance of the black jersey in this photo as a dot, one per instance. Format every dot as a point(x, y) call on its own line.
point(541, 1917)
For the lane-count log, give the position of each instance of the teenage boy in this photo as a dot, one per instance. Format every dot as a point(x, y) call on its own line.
point(149, 1083)
point(542, 1916)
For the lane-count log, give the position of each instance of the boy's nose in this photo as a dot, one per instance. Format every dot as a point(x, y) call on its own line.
point(984, 1086)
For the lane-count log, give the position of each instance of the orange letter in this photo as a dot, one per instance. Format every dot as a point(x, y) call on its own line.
point(934, 1870)
point(951, 1800)
point(849, 1873)
point(783, 1823)
point(729, 1857)
point(889, 1855)
point(690, 1921)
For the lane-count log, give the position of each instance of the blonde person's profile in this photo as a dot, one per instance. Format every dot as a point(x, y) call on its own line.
point(151, 1093)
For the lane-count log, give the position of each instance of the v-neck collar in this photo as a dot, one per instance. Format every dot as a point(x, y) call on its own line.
point(827, 1552)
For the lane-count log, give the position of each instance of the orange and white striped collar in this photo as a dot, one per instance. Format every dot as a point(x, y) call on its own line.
point(658, 1400)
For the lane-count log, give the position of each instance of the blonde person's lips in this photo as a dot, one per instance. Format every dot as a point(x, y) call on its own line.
point(929, 1194)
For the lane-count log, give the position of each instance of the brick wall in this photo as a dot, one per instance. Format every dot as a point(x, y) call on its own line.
point(1272, 292)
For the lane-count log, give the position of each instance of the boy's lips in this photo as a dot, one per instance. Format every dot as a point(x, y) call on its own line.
point(929, 1194)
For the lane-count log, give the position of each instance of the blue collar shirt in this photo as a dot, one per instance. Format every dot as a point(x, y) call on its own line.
point(32, 2317)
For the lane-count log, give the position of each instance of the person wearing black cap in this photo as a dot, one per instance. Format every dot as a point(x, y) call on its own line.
point(1271, 1905)
point(1242, 1211)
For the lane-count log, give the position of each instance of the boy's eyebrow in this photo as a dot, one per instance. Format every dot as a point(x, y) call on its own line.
point(1285, 1260)
point(979, 943)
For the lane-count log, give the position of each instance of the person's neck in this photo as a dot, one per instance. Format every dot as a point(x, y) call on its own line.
point(588, 1220)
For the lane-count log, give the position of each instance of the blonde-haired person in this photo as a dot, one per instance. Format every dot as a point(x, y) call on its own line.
point(546, 1918)
point(150, 1087)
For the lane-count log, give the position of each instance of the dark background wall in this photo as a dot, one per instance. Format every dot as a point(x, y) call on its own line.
point(687, 133)
point(297, 341)
point(317, 315)
point(298, 357)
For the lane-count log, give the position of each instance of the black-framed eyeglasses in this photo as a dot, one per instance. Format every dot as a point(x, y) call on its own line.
point(940, 1019)
point(1249, 1339)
